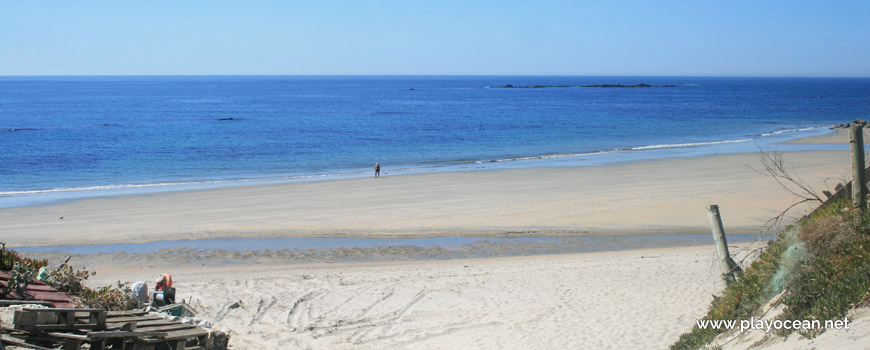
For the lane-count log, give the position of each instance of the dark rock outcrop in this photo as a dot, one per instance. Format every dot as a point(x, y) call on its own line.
point(857, 122)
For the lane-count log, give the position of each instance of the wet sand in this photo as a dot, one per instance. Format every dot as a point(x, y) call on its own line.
point(398, 250)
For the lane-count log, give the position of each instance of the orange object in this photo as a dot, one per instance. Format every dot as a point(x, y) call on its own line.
point(163, 282)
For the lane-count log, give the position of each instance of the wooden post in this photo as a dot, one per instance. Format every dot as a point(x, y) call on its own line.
point(859, 181)
point(726, 264)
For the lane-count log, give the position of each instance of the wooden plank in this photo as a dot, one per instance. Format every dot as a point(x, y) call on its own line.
point(68, 335)
point(135, 319)
point(125, 334)
point(40, 287)
point(19, 342)
point(24, 319)
point(42, 338)
point(140, 324)
point(156, 322)
point(125, 313)
point(63, 309)
point(25, 302)
point(186, 333)
point(166, 328)
point(132, 318)
point(99, 318)
point(143, 346)
point(72, 345)
point(58, 327)
point(67, 317)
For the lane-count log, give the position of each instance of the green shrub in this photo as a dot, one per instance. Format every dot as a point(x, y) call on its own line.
point(740, 300)
point(109, 298)
point(21, 277)
point(822, 264)
point(22, 271)
point(836, 278)
point(66, 279)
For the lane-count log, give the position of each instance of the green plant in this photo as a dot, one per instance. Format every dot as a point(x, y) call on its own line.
point(21, 277)
point(822, 263)
point(9, 257)
point(110, 298)
point(837, 277)
point(22, 271)
point(66, 279)
point(72, 281)
point(741, 299)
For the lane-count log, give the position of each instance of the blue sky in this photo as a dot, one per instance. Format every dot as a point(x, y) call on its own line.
point(699, 37)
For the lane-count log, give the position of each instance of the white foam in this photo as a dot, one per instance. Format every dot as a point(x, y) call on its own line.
point(693, 144)
point(780, 132)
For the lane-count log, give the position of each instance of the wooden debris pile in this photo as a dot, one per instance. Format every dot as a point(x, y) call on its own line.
point(37, 291)
point(74, 329)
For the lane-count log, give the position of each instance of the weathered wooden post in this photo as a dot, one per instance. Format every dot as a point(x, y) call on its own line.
point(859, 180)
point(726, 264)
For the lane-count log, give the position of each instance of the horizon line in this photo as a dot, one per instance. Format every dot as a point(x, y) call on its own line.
point(440, 75)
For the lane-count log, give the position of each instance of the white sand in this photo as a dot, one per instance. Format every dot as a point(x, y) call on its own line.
point(615, 300)
point(663, 196)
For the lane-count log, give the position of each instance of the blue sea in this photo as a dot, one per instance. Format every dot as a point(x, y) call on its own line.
point(70, 137)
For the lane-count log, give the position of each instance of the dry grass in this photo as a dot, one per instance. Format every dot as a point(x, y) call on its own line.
point(825, 233)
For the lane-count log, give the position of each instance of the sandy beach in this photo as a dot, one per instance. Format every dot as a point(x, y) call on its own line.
point(418, 175)
point(662, 196)
point(613, 300)
point(609, 300)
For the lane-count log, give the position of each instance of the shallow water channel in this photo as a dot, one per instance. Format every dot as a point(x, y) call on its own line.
point(314, 249)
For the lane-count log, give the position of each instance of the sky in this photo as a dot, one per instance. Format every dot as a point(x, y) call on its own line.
point(415, 37)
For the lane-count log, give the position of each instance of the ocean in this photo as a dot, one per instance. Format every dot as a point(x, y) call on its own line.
point(67, 137)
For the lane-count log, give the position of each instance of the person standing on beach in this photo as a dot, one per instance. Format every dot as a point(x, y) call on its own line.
point(377, 170)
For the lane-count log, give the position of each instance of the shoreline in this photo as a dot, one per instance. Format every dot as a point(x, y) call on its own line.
point(663, 196)
point(37, 197)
